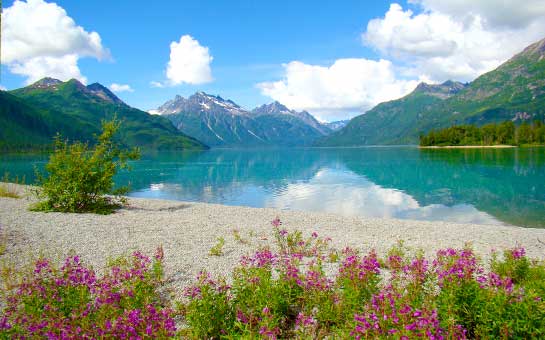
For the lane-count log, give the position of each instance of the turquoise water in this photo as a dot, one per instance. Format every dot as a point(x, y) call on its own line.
point(491, 186)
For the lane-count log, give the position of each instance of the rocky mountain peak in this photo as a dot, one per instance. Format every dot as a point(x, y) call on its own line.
point(442, 91)
point(337, 125)
point(536, 49)
point(273, 108)
point(200, 102)
point(45, 83)
point(276, 108)
point(102, 92)
point(96, 90)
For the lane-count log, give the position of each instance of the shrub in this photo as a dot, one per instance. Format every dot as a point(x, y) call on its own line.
point(284, 292)
point(289, 290)
point(80, 177)
point(73, 302)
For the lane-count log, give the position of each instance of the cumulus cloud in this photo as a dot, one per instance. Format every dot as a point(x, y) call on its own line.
point(331, 92)
point(40, 39)
point(350, 195)
point(456, 39)
point(505, 13)
point(121, 87)
point(63, 68)
point(439, 40)
point(189, 63)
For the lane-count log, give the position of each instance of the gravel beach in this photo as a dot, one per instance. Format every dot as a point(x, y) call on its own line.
point(187, 231)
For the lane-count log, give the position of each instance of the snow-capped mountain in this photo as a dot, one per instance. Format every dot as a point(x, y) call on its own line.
point(337, 125)
point(200, 101)
point(276, 108)
point(221, 122)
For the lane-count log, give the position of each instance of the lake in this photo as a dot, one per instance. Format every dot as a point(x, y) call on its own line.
point(487, 186)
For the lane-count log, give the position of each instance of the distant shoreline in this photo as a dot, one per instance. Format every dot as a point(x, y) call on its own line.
point(468, 147)
point(188, 230)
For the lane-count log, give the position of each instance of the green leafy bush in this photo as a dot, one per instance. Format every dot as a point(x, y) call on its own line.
point(80, 177)
point(287, 291)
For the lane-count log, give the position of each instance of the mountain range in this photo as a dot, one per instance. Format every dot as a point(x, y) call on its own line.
point(514, 91)
point(31, 116)
point(219, 122)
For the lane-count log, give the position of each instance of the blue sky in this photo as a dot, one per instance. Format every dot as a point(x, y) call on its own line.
point(286, 46)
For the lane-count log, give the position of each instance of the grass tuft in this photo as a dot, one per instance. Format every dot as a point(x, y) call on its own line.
point(9, 186)
point(217, 249)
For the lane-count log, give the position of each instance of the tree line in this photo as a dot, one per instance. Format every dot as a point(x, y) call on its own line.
point(506, 133)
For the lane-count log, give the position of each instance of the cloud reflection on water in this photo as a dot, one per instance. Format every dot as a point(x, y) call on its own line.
point(346, 193)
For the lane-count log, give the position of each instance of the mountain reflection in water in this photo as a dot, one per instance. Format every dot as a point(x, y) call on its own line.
point(487, 186)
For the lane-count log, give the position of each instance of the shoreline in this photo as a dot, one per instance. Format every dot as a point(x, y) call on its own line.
point(187, 231)
point(468, 147)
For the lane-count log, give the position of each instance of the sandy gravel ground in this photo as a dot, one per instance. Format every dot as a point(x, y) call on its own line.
point(187, 231)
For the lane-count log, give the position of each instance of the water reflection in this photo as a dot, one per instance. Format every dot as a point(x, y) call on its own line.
point(346, 193)
point(474, 185)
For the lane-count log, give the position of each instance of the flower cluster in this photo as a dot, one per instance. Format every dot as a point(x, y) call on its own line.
point(456, 265)
point(284, 292)
point(72, 302)
point(289, 290)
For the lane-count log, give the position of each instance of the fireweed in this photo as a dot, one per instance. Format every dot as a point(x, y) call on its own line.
point(73, 302)
point(284, 292)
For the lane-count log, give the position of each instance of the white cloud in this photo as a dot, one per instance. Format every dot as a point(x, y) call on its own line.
point(63, 68)
point(156, 84)
point(189, 62)
point(504, 13)
point(40, 39)
point(121, 87)
point(441, 40)
point(347, 86)
point(3, 88)
point(455, 39)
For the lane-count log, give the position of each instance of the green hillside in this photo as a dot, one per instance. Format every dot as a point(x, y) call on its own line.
point(32, 115)
point(25, 127)
point(387, 123)
point(514, 91)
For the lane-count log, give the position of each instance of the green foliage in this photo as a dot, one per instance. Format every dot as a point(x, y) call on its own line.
point(3, 241)
point(505, 303)
point(490, 134)
point(286, 293)
point(31, 116)
point(25, 127)
point(72, 302)
point(7, 187)
point(80, 177)
point(217, 249)
point(283, 294)
point(238, 237)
